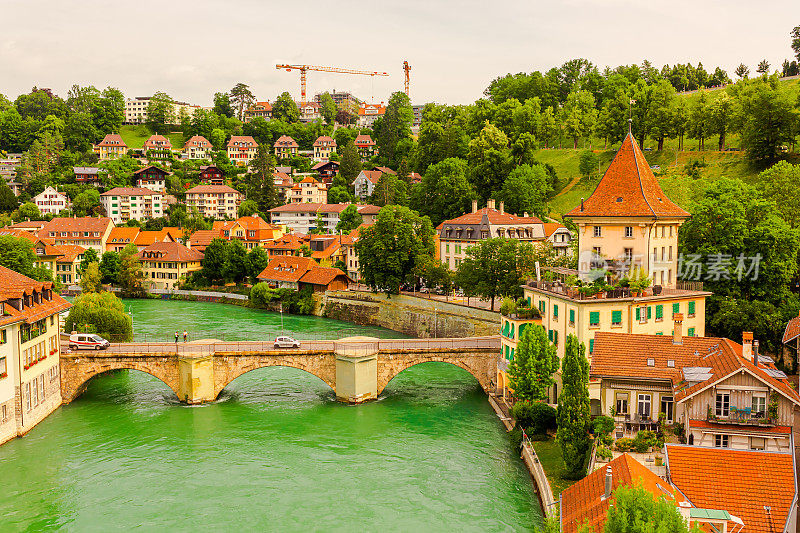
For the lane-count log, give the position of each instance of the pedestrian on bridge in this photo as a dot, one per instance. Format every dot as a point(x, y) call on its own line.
point(185, 334)
point(176, 337)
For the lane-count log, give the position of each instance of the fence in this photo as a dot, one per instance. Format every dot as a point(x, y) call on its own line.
point(536, 468)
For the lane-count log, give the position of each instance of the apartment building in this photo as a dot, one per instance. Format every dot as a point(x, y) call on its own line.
point(259, 109)
point(253, 231)
point(197, 147)
point(302, 217)
point(368, 113)
point(166, 264)
point(136, 109)
point(132, 203)
point(242, 149)
point(68, 264)
point(214, 201)
point(152, 178)
point(324, 146)
point(308, 190)
point(365, 183)
point(30, 384)
point(285, 147)
point(88, 232)
point(50, 201)
point(111, 147)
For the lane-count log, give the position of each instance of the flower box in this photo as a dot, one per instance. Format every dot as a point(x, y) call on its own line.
point(4, 375)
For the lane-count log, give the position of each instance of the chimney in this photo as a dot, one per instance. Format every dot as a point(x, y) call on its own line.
point(677, 334)
point(755, 352)
point(747, 345)
point(474, 206)
point(490, 203)
point(502, 207)
point(525, 214)
point(607, 493)
point(581, 203)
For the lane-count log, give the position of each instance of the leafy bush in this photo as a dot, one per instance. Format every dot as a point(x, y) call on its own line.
point(603, 425)
point(625, 444)
point(296, 302)
point(645, 440)
point(101, 313)
point(508, 307)
point(603, 452)
point(607, 440)
point(534, 417)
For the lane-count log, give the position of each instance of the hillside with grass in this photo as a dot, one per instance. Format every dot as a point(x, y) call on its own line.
point(135, 136)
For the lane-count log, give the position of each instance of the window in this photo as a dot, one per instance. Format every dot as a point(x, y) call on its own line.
point(28, 396)
point(628, 255)
point(555, 311)
point(594, 319)
point(616, 318)
point(691, 308)
point(571, 317)
point(723, 404)
point(591, 345)
point(542, 306)
point(720, 441)
point(598, 231)
point(759, 405)
point(596, 250)
point(622, 403)
point(651, 361)
point(644, 406)
point(690, 332)
point(642, 313)
point(659, 312)
point(629, 232)
point(757, 443)
point(3, 369)
point(676, 308)
point(555, 337)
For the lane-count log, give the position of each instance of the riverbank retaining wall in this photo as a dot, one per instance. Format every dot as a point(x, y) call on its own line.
point(417, 317)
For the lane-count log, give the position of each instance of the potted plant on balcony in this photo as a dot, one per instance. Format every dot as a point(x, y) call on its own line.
point(639, 281)
point(772, 408)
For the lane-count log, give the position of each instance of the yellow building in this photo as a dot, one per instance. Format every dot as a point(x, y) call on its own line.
point(111, 147)
point(68, 263)
point(628, 222)
point(511, 328)
point(166, 264)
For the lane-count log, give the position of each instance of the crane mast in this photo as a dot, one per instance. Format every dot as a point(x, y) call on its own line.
point(305, 68)
point(406, 69)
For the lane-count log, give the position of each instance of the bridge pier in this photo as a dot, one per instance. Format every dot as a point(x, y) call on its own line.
point(196, 378)
point(356, 369)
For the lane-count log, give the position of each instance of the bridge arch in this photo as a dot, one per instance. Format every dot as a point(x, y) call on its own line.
point(478, 365)
point(228, 368)
point(75, 376)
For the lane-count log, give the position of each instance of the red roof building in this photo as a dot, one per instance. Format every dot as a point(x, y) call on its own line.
point(285, 147)
point(197, 147)
point(242, 149)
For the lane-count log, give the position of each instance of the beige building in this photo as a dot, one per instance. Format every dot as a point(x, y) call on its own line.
point(214, 201)
point(166, 264)
point(111, 147)
point(30, 384)
point(197, 147)
point(132, 203)
point(259, 109)
point(136, 110)
point(68, 264)
point(308, 190)
point(242, 149)
point(285, 147)
point(88, 232)
point(324, 146)
point(50, 201)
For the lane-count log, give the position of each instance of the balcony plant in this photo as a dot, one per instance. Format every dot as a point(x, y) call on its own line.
point(4, 375)
point(710, 415)
point(772, 408)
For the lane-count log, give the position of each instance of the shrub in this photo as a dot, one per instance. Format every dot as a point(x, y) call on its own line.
point(508, 307)
point(101, 313)
point(534, 417)
point(625, 444)
point(603, 425)
point(604, 453)
point(645, 440)
point(607, 440)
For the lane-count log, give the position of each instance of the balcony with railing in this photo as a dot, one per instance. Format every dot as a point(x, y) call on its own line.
point(743, 416)
point(602, 291)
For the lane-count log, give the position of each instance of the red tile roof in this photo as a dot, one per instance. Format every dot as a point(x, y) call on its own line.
point(112, 139)
point(149, 169)
point(14, 285)
point(583, 502)
point(81, 225)
point(197, 141)
point(211, 189)
point(385, 170)
point(494, 216)
point(287, 268)
point(146, 238)
point(322, 276)
point(792, 330)
point(242, 142)
point(170, 251)
point(628, 189)
point(323, 139)
point(131, 191)
point(777, 430)
point(157, 142)
point(202, 238)
point(742, 482)
point(284, 141)
point(68, 252)
point(363, 141)
point(122, 235)
point(372, 175)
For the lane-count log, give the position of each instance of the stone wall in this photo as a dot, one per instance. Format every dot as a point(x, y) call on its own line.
point(414, 316)
point(228, 367)
point(481, 364)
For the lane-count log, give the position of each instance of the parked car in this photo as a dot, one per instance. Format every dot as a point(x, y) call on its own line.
point(87, 341)
point(286, 342)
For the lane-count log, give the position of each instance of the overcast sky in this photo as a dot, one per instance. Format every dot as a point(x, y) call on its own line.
point(455, 48)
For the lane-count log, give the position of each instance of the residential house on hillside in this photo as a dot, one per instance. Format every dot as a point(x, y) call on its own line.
point(258, 109)
point(151, 177)
point(212, 175)
point(253, 231)
point(326, 249)
point(30, 385)
point(297, 272)
point(45, 250)
point(365, 182)
point(285, 147)
point(146, 238)
point(111, 147)
point(131, 203)
point(88, 175)
point(368, 113)
point(283, 184)
point(384, 170)
point(68, 263)
point(157, 147)
point(309, 111)
point(242, 149)
point(50, 201)
point(365, 146)
point(120, 237)
point(326, 170)
point(302, 217)
point(31, 226)
point(197, 147)
point(200, 239)
point(324, 146)
point(214, 201)
point(166, 264)
point(287, 244)
point(308, 190)
point(348, 244)
point(87, 232)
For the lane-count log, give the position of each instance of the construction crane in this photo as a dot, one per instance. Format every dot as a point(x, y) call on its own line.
point(305, 68)
point(406, 68)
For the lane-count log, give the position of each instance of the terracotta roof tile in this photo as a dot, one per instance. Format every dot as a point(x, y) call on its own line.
point(777, 430)
point(197, 141)
point(122, 234)
point(628, 188)
point(742, 482)
point(792, 330)
point(494, 216)
point(284, 141)
point(321, 276)
point(203, 237)
point(325, 139)
point(364, 141)
point(131, 191)
point(112, 139)
point(287, 268)
point(170, 251)
point(159, 142)
point(82, 224)
point(242, 142)
point(212, 189)
point(151, 168)
point(68, 252)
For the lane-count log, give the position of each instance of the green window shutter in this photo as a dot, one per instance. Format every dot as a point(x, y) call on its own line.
point(555, 311)
point(594, 318)
point(638, 313)
point(512, 330)
point(691, 332)
point(529, 301)
point(691, 308)
point(649, 312)
point(660, 333)
point(659, 311)
point(572, 315)
point(512, 354)
point(591, 345)
point(676, 308)
point(616, 317)
point(521, 329)
point(555, 337)
point(550, 335)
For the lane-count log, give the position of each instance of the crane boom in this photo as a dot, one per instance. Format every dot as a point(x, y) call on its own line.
point(305, 68)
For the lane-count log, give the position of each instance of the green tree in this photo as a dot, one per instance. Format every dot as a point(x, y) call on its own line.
point(588, 163)
point(89, 256)
point(285, 109)
point(101, 313)
point(395, 247)
point(80, 132)
point(17, 254)
point(260, 182)
point(257, 261)
point(214, 260)
point(327, 108)
point(222, 105)
point(489, 160)
point(579, 115)
point(319, 225)
point(350, 165)
point(637, 510)
point(160, 113)
point(766, 118)
point(248, 208)
point(131, 276)
point(526, 190)
point(349, 220)
point(494, 267)
point(763, 67)
point(91, 278)
point(436, 275)
point(720, 113)
point(742, 71)
point(795, 35)
point(700, 119)
point(235, 266)
point(573, 416)
point(444, 192)
point(535, 361)
point(339, 195)
point(29, 211)
point(8, 202)
point(390, 190)
point(109, 267)
point(217, 138)
point(662, 110)
point(394, 128)
point(241, 99)
point(85, 203)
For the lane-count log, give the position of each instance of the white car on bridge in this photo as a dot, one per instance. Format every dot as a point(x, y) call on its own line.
point(286, 342)
point(87, 341)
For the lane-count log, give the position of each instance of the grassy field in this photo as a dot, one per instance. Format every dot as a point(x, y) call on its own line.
point(549, 454)
point(135, 136)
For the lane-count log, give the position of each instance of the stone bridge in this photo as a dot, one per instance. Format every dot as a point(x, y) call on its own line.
point(356, 368)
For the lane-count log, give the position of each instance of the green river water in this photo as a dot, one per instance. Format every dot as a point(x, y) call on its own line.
point(275, 453)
